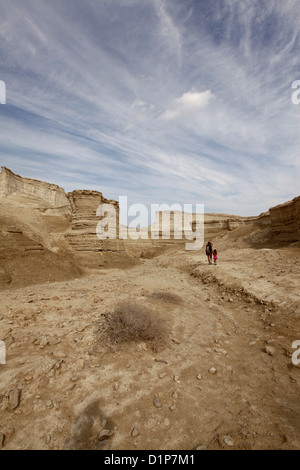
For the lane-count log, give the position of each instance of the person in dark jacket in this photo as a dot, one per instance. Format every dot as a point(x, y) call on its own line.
point(209, 251)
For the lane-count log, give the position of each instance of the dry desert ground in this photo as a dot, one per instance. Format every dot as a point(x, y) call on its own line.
point(143, 345)
point(223, 378)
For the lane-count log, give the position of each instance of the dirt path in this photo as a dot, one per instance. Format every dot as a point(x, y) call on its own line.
point(213, 386)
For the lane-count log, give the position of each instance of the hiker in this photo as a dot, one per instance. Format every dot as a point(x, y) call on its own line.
point(208, 252)
point(215, 254)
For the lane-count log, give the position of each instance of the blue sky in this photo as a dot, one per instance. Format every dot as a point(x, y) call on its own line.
point(165, 101)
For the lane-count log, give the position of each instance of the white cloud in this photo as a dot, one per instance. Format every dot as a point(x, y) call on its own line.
point(170, 34)
point(187, 105)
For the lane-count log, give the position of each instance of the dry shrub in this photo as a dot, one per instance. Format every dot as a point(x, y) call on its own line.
point(131, 321)
point(166, 296)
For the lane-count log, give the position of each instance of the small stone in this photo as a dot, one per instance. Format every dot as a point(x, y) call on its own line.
point(175, 341)
point(167, 422)
point(74, 378)
point(270, 350)
point(151, 422)
point(105, 434)
point(135, 432)
point(172, 407)
point(116, 386)
point(228, 441)
point(70, 387)
point(162, 375)
point(175, 378)
point(14, 398)
point(28, 378)
point(59, 355)
point(161, 360)
point(220, 351)
point(175, 395)
point(157, 402)
point(212, 371)
point(199, 376)
point(44, 341)
point(202, 447)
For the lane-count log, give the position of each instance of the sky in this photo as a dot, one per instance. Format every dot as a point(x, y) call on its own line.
point(162, 101)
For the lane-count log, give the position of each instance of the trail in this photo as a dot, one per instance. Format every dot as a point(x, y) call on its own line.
point(216, 385)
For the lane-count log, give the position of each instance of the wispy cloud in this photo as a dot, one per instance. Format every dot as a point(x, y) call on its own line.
point(166, 101)
point(187, 105)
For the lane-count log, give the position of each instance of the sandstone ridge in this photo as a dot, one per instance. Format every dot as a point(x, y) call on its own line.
point(47, 234)
point(285, 220)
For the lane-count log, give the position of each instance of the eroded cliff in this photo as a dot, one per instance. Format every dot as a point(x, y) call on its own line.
point(46, 234)
point(285, 220)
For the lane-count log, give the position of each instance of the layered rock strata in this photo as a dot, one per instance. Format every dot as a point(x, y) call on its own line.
point(12, 185)
point(92, 249)
point(285, 220)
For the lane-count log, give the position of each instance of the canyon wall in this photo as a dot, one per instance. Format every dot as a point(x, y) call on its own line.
point(13, 185)
point(285, 220)
point(46, 234)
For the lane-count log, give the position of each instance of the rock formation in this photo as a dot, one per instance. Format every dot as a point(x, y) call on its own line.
point(46, 234)
point(89, 249)
point(12, 185)
point(285, 220)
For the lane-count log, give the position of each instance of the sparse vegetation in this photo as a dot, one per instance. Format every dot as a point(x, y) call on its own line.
point(131, 321)
point(165, 296)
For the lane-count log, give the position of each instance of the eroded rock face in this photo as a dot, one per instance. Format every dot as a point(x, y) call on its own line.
point(90, 250)
point(285, 220)
point(12, 184)
point(50, 234)
point(215, 222)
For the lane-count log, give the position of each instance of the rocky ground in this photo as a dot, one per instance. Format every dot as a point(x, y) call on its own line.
point(223, 380)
